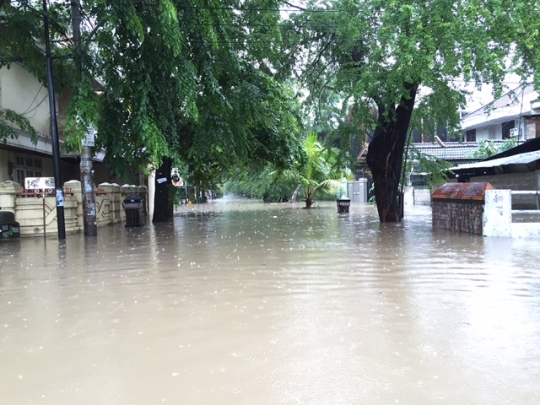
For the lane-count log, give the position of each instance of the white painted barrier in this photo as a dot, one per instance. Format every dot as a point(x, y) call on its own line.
point(497, 217)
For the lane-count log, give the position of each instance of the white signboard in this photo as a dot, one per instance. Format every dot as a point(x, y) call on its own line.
point(90, 137)
point(38, 183)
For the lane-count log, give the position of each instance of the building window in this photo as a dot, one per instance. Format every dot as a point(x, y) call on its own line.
point(26, 166)
point(507, 128)
point(470, 135)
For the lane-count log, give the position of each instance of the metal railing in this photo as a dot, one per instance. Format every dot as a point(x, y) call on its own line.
point(527, 213)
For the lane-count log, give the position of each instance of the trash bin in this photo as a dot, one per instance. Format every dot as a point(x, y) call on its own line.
point(9, 228)
point(343, 205)
point(133, 205)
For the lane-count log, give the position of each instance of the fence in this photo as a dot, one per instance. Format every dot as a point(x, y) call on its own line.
point(36, 212)
point(530, 201)
point(501, 220)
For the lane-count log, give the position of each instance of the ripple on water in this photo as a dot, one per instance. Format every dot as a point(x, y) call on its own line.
point(272, 304)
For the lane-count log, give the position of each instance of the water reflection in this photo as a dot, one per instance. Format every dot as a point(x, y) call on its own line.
point(247, 303)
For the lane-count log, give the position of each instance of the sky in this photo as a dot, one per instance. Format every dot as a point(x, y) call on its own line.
point(484, 95)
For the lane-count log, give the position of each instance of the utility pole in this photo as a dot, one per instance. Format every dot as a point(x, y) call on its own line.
point(60, 218)
point(87, 173)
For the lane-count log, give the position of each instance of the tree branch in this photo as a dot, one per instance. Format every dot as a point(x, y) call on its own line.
point(295, 6)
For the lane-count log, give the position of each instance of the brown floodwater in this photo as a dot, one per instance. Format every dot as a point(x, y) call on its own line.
point(241, 302)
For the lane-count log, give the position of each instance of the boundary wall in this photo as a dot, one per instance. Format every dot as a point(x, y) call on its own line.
point(36, 213)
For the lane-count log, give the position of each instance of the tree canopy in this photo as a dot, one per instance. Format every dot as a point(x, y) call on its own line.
point(211, 83)
point(408, 60)
point(190, 80)
point(196, 81)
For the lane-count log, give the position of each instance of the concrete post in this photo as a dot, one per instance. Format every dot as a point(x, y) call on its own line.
point(497, 216)
point(8, 195)
point(113, 193)
point(408, 197)
point(143, 193)
point(151, 192)
point(74, 186)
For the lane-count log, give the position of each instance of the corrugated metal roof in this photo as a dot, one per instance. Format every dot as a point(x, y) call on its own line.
point(519, 159)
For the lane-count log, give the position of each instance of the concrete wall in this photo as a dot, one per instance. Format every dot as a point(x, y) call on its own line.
point(24, 94)
point(37, 215)
point(459, 207)
point(515, 181)
point(111, 208)
point(497, 218)
point(489, 132)
point(485, 133)
point(21, 92)
point(458, 216)
point(479, 209)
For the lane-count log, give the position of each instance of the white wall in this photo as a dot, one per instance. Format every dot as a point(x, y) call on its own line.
point(482, 133)
point(24, 94)
point(489, 132)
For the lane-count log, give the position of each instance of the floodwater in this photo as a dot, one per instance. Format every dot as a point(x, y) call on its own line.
point(239, 302)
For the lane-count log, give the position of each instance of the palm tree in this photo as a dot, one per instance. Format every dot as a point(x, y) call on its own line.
point(318, 171)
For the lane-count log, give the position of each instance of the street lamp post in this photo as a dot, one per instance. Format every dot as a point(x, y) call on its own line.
point(87, 172)
point(60, 219)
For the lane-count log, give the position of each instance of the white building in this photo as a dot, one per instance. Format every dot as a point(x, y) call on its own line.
point(23, 93)
point(515, 114)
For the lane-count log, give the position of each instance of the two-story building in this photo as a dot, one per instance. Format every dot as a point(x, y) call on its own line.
point(23, 93)
point(515, 114)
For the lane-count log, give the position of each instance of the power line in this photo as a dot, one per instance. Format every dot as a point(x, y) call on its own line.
point(285, 10)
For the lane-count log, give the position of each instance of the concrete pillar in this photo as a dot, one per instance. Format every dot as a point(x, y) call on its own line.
point(115, 200)
point(497, 216)
point(151, 192)
point(8, 195)
point(408, 195)
point(537, 189)
point(143, 193)
point(74, 187)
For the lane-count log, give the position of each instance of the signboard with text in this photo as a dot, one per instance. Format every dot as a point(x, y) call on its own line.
point(90, 139)
point(39, 183)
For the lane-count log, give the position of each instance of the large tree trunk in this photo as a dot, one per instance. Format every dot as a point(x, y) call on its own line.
point(385, 155)
point(163, 209)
